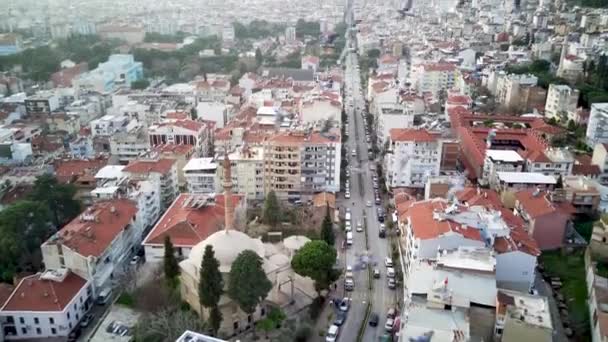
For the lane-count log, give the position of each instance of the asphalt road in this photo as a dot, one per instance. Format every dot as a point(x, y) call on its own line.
point(360, 256)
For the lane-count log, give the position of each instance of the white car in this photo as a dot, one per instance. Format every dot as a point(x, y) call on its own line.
point(332, 333)
point(368, 204)
point(348, 227)
point(359, 227)
point(349, 272)
point(388, 326)
point(347, 195)
point(388, 262)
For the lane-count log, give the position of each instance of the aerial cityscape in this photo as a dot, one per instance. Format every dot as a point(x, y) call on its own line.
point(264, 170)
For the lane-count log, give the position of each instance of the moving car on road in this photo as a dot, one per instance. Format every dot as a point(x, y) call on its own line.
point(376, 273)
point(373, 319)
point(345, 304)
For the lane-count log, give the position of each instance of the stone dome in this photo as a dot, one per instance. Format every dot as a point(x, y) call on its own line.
point(227, 245)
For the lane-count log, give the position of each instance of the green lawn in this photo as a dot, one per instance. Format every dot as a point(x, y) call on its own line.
point(571, 269)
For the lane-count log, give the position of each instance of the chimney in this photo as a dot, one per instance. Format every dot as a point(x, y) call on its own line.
point(227, 184)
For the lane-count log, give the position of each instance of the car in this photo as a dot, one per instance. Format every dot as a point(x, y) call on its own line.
point(340, 319)
point(347, 194)
point(134, 260)
point(368, 203)
point(377, 200)
point(391, 313)
point(359, 227)
point(349, 272)
point(373, 319)
point(353, 153)
point(388, 262)
point(75, 334)
point(349, 284)
point(332, 333)
point(390, 322)
point(86, 320)
point(382, 226)
point(382, 233)
point(348, 210)
point(390, 272)
point(345, 304)
point(347, 226)
point(391, 283)
point(376, 273)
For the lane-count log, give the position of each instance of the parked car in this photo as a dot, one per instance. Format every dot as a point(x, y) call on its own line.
point(373, 319)
point(388, 326)
point(340, 319)
point(376, 273)
point(332, 333)
point(347, 195)
point(391, 283)
point(349, 272)
point(74, 335)
point(349, 284)
point(345, 304)
point(382, 233)
point(368, 204)
point(388, 262)
point(86, 320)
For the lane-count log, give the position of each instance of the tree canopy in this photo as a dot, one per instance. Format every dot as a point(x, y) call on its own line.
point(272, 213)
point(58, 197)
point(327, 229)
point(307, 28)
point(211, 286)
point(170, 264)
point(248, 285)
point(257, 29)
point(316, 259)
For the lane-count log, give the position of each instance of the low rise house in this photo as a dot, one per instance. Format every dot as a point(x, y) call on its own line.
point(522, 317)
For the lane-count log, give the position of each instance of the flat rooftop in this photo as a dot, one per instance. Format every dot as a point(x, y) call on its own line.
point(196, 164)
point(506, 156)
point(526, 178)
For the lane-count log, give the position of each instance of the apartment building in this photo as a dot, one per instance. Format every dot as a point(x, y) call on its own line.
point(162, 172)
point(511, 89)
point(600, 158)
point(200, 174)
point(414, 155)
point(42, 103)
point(500, 161)
point(181, 132)
point(96, 243)
point(561, 102)
point(434, 77)
point(298, 164)
point(597, 127)
point(247, 169)
point(550, 162)
point(130, 144)
point(522, 317)
point(46, 305)
point(108, 125)
point(392, 116)
point(119, 70)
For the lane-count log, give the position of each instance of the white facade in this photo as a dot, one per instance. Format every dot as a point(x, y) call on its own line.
point(515, 270)
point(320, 109)
point(108, 125)
point(213, 111)
point(433, 78)
point(561, 100)
point(500, 161)
point(508, 87)
point(391, 115)
point(247, 169)
point(200, 175)
point(411, 161)
point(131, 144)
point(597, 128)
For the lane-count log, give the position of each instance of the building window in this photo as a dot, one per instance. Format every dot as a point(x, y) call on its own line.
point(53, 331)
point(38, 331)
point(235, 325)
point(21, 320)
point(36, 320)
point(68, 315)
point(23, 331)
point(51, 320)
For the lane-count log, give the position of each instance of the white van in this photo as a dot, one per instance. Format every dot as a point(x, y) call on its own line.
point(347, 217)
point(349, 238)
point(104, 296)
point(390, 272)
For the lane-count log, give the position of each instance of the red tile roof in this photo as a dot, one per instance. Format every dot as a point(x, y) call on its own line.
point(586, 170)
point(425, 226)
point(540, 205)
point(35, 294)
point(5, 292)
point(92, 232)
point(187, 226)
point(174, 148)
point(67, 170)
point(192, 125)
point(162, 166)
point(441, 67)
point(411, 134)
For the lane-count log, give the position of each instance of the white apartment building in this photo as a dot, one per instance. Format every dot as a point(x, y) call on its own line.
point(108, 125)
point(391, 116)
point(499, 161)
point(434, 77)
point(521, 314)
point(96, 243)
point(130, 144)
point(597, 128)
point(320, 109)
point(46, 305)
point(561, 101)
point(200, 176)
point(247, 169)
point(414, 155)
point(508, 87)
point(162, 172)
point(215, 111)
point(600, 158)
point(550, 162)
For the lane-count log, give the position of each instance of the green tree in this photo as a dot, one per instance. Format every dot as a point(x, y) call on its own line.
point(140, 84)
point(170, 263)
point(373, 53)
point(271, 214)
point(327, 229)
point(259, 58)
point(211, 284)
point(58, 197)
point(272, 321)
point(23, 227)
point(316, 259)
point(248, 285)
point(215, 319)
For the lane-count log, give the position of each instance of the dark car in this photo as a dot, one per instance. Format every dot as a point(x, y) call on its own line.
point(340, 318)
point(373, 319)
point(74, 335)
point(86, 320)
point(382, 233)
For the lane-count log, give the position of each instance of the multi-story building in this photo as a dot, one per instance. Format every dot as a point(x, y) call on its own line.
point(200, 175)
point(561, 101)
point(434, 77)
point(510, 89)
point(290, 34)
point(96, 243)
point(42, 103)
point(46, 305)
point(119, 70)
point(247, 164)
point(500, 161)
point(108, 125)
point(162, 172)
point(129, 144)
point(413, 156)
point(181, 132)
point(597, 128)
point(298, 164)
point(10, 44)
point(391, 116)
point(550, 162)
point(600, 158)
point(521, 316)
